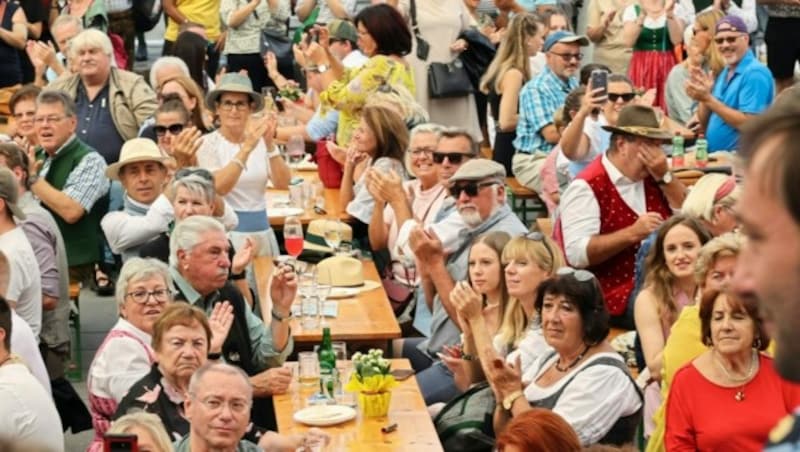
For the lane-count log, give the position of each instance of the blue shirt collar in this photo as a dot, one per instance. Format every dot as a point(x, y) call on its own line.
point(192, 296)
point(744, 63)
point(566, 85)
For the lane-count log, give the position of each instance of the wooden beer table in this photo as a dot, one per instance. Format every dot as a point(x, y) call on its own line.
point(333, 206)
point(415, 431)
point(689, 173)
point(366, 318)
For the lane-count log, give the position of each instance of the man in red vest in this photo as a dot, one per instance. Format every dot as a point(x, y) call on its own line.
point(617, 201)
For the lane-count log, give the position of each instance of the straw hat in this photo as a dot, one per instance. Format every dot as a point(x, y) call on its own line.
point(344, 271)
point(640, 121)
point(315, 234)
point(135, 150)
point(234, 83)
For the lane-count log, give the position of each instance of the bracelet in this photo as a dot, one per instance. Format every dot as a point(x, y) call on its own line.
point(275, 153)
point(468, 357)
point(239, 162)
point(275, 316)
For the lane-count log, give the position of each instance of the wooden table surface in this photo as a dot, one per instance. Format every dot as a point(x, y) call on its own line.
point(365, 317)
point(689, 173)
point(415, 431)
point(333, 207)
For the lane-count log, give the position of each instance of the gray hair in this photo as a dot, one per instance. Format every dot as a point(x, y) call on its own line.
point(91, 39)
point(197, 186)
point(52, 96)
point(219, 367)
point(186, 234)
point(66, 19)
point(458, 132)
point(146, 421)
point(136, 269)
point(163, 62)
point(424, 128)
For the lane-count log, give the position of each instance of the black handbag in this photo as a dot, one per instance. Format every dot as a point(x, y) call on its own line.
point(445, 80)
point(146, 15)
point(281, 46)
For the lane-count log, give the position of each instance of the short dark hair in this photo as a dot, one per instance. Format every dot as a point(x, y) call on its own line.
point(5, 322)
point(15, 157)
point(388, 29)
point(172, 103)
point(27, 92)
point(586, 71)
point(782, 122)
point(52, 96)
point(457, 132)
point(746, 305)
point(587, 296)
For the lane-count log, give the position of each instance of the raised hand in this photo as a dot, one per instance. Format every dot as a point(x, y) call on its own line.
point(243, 256)
point(504, 378)
point(283, 289)
point(185, 147)
point(220, 322)
point(271, 63)
point(468, 303)
point(272, 381)
point(426, 246)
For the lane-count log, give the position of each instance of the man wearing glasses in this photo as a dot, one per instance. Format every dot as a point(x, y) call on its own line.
point(71, 182)
point(539, 100)
point(742, 90)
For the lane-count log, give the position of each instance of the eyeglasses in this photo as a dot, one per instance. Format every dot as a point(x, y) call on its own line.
point(569, 56)
point(228, 106)
point(46, 119)
point(141, 296)
point(626, 97)
point(201, 172)
point(471, 188)
point(580, 275)
point(421, 151)
point(726, 39)
point(173, 129)
point(238, 406)
point(454, 157)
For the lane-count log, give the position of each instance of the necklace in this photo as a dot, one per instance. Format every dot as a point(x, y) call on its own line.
point(740, 396)
point(573, 363)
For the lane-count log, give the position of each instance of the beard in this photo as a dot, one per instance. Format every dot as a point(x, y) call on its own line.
point(471, 216)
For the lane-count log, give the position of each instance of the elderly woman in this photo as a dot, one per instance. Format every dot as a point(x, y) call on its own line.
point(183, 340)
point(167, 67)
point(584, 380)
point(150, 434)
point(712, 399)
point(23, 107)
point(243, 158)
point(378, 145)
point(711, 200)
point(125, 356)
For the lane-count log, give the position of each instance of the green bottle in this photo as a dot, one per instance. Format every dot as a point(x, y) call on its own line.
point(327, 361)
point(701, 152)
point(677, 150)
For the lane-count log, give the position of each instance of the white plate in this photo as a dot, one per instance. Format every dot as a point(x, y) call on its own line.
point(284, 211)
point(343, 292)
point(324, 415)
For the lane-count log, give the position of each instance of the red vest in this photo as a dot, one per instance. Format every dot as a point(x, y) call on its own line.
point(616, 274)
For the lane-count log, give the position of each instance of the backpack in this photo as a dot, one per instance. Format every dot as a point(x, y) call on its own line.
point(465, 423)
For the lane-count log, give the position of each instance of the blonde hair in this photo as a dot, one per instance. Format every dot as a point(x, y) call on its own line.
point(512, 53)
point(728, 244)
point(146, 421)
point(547, 255)
point(708, 21)
point(194, 92)
point(702, 198)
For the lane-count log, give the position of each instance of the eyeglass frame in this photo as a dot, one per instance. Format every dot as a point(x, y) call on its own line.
point(248, 404)
point(148, 294)
point(438, 157)
point(164, 129)
point(231, 106)
point(727, 39)
point(567, 57)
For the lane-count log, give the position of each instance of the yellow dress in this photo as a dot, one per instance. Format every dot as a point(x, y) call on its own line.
point(349, 94)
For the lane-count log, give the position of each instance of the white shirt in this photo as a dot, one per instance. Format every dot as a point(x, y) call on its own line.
point(248, 193)
point(27, 412)
point(121, 363)
point(354, 59)
point(25, 345)
point(25, 281)
point(580, 212)
point(531, 348)
point(595, 399)
point(447, 230)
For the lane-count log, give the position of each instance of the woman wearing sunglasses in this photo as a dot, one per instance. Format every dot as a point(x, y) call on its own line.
point(583, 379)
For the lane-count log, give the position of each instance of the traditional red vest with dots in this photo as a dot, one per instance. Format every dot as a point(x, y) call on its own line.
point(616, 274)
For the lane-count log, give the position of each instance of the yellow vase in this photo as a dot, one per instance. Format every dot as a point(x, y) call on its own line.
point(374, 404)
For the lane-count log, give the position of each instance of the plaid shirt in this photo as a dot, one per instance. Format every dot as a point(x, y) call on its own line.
point(538, 101)
point(87, 182)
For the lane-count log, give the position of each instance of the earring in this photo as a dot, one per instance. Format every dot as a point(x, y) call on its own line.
point(757, 343)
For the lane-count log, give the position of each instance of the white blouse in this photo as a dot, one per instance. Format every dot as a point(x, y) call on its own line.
point(121, 363)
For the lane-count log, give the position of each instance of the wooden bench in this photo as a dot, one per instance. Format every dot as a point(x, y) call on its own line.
point(519, 196)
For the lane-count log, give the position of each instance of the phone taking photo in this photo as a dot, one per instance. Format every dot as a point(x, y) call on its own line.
point(599, 79)
point(120, 442)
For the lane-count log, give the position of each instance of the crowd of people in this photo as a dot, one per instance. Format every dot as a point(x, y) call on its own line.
point(152, 190)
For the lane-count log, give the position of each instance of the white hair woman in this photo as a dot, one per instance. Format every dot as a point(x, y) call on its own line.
point(125, 355)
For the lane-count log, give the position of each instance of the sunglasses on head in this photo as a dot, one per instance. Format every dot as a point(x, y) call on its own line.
point(726, 39)
point(626, 97)
point(453, 157)
point(580, 275)
point(173, 129)
point(470, 188)
point(537, 236)
point(201, 172)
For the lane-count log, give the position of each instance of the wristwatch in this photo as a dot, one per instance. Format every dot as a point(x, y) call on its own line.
point(509, 400)
point(666, 179)
point(281, 319)
point(322, 68)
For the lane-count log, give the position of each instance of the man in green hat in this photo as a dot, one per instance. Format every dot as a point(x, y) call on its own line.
point(616, 202)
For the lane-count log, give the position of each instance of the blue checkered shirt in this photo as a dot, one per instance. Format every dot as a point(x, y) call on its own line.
point(538, 101)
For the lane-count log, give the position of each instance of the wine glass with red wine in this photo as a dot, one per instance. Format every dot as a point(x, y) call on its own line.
point(293, 236)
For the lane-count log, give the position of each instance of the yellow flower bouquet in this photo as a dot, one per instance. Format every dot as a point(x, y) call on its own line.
point(373, 382)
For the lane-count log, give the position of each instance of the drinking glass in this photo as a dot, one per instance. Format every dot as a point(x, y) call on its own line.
point(333, 234)
point(297, 195)
point(310, 311)
point(293, 236)
point(308, 368)
point(295, 148)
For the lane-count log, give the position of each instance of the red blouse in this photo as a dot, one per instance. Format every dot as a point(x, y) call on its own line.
point(703, 416)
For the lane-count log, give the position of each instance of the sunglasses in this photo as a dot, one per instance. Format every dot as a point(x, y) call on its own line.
point(201, 172)
point(626, 97)
point(173, 129)
point(726, 39)
point(537, 236)
point(454, 157)
point(580, 275)
point(569, 56)
point(470, 188)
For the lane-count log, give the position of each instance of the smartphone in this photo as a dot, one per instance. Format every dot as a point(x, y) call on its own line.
point(402, 374)
point(599, 79)
point(120, 442)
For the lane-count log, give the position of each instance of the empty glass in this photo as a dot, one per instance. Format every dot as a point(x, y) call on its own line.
point(295, 148)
